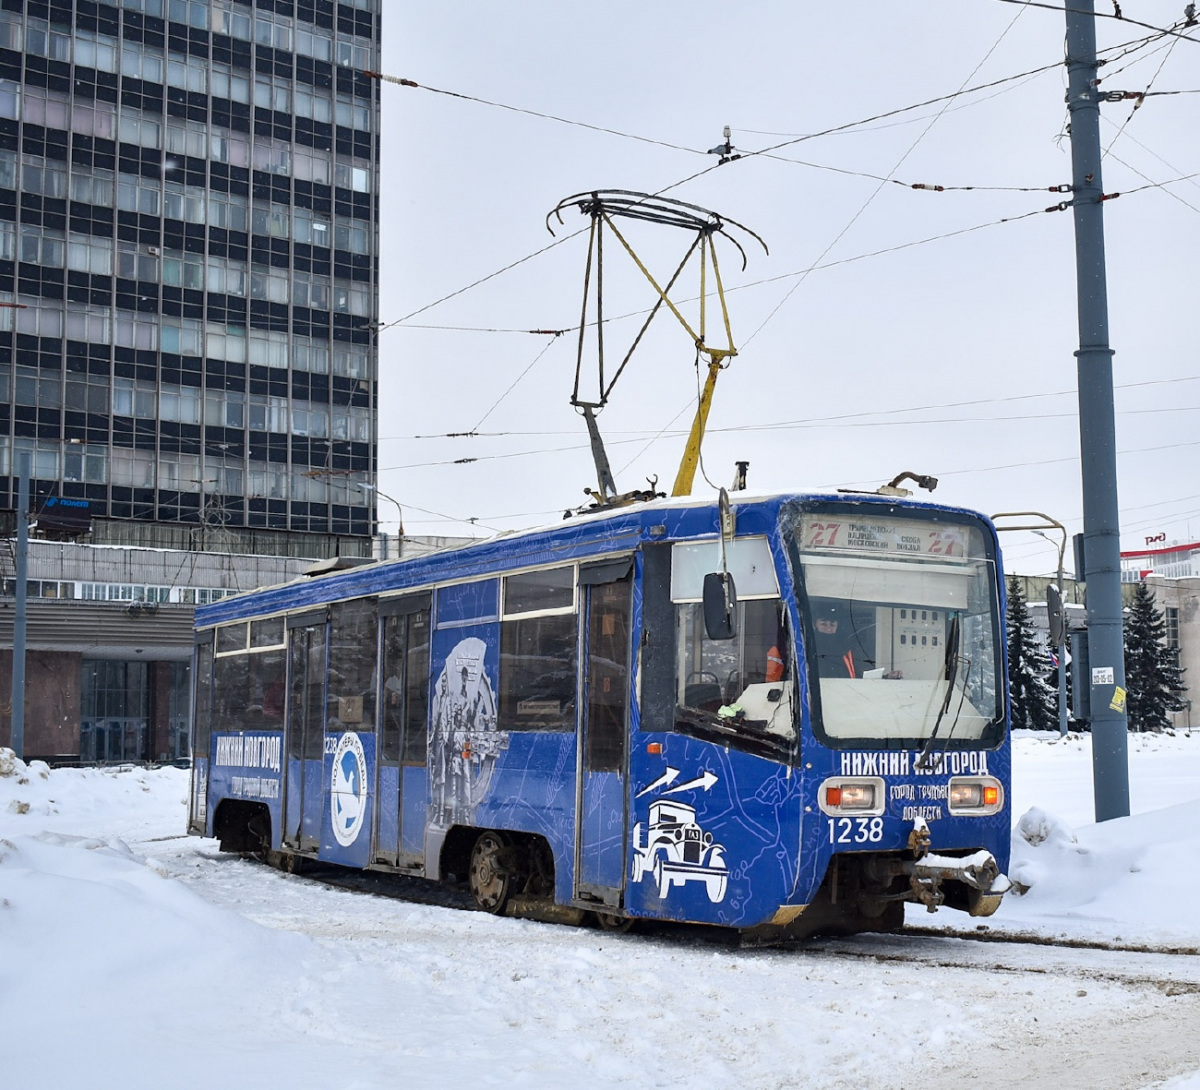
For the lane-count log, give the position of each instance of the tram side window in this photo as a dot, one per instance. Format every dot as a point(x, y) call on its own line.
point(538, 641)
point(231, 686)
point(744, 684)
point(406, 688)
point(352, 653)
point(248, 682)
point(202, 720)
point(265, 690)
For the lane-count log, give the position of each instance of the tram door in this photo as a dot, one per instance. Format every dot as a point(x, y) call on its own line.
point(606, 612)
point(303, 796)
point(404, 731)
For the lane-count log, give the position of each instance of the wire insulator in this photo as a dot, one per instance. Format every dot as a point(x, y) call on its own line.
point(926, 185)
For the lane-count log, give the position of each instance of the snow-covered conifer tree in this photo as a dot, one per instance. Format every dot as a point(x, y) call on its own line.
point(1152, 675)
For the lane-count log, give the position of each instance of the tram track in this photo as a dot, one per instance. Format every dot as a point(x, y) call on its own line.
point(1171, 970)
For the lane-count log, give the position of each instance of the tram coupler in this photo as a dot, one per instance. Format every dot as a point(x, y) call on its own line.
point(978, 872)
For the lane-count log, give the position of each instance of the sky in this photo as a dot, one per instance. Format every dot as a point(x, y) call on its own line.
point(935, 331)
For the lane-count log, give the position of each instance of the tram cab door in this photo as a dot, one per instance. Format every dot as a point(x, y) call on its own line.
point(403, 731)
point(606, 612)
point(304, 732)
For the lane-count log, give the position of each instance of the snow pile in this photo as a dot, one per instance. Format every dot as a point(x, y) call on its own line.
point(1130, 880)
point(133, 956)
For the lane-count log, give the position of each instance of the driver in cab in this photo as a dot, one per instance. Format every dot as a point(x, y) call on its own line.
point(841, 649)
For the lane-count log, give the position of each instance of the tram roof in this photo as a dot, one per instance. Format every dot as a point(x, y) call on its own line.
point(591, 535)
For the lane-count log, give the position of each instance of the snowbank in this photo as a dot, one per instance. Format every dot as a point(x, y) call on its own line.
point(1131, 880)
point(132, 956)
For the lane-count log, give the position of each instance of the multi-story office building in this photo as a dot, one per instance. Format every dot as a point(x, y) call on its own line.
point(188, 231)
point(188, 269)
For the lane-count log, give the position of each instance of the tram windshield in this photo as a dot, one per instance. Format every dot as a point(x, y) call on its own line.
point(901, 628)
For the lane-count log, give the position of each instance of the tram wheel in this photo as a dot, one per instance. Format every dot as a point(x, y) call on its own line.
point(616, 925)
point(489, 875)
point(288, 862)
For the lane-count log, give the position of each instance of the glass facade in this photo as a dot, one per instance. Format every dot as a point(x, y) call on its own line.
point(189, 259)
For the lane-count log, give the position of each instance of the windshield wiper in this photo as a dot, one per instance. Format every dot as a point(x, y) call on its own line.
point(952, 660)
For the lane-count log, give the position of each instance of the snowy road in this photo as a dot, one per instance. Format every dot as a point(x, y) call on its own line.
point(544, 1001)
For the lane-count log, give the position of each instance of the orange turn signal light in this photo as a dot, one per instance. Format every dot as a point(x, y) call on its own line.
point(654, 747)
point(833, 796)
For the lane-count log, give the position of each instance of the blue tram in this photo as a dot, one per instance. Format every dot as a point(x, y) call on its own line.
point(783, 715)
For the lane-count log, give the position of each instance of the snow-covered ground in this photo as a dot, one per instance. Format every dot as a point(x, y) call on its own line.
point(131, 956)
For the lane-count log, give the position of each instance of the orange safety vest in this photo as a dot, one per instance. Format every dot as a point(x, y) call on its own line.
point(774, 665)
point(848, 659)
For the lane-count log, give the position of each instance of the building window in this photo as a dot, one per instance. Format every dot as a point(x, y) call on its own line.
point(309, 355)
point(141, 64)
point(272, 30)
point(40, 178)
point(87, 393)
point(138, 128)
point(92, 51)
point(85, 463)
point(189, 138)
point(93, 326)
point(182, 336)
point(41, 388)
point(192, 12)
point(187, 73)
point(226, 83)
point(229, 19)
point(350, 360)
point(272, 221)
point(40, 246)
point(182, 270)
point(272, 96)
point(1171, 617)
point(43, 458)
point(94, 187)
point(95, 119)
point(135, 262)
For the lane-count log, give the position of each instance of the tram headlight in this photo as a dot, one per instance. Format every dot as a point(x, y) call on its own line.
point(975, 795)
point(861, 795)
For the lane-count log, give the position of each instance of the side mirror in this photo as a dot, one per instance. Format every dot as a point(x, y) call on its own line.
point(720, 606)
point(1054, 615)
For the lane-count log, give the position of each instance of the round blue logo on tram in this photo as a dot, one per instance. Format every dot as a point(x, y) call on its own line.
point(348, 797)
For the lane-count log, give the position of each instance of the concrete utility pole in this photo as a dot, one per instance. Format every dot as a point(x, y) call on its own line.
point(1097, 428)
point(17, 719)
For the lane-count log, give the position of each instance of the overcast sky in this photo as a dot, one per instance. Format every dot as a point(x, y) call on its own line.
point(952, 357)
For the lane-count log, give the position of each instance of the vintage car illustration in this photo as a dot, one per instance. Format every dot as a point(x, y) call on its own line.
point(677, 851)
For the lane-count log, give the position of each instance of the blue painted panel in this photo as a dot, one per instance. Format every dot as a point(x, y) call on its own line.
point(291, 810)
point(464, 742)
point(714, 833)
point(602, 829)
point(479, 601)
point(347, 813)
point(387, 835)
point(247, 765)
point(415, 803)
point(314, 801)
point(532, 790)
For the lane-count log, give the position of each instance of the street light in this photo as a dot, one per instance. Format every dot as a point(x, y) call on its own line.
point(1058, 629)
point(391, 499)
